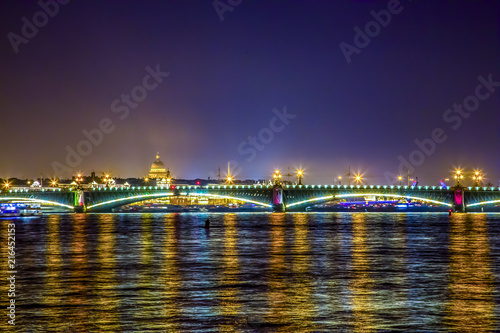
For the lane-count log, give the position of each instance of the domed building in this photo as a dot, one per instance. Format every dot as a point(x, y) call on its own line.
point(158, 170)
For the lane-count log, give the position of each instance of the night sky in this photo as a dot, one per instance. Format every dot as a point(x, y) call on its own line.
point(269, 86)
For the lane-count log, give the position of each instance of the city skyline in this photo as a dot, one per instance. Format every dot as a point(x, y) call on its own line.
point(378, 86)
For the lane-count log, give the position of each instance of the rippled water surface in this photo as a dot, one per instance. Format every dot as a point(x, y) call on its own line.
point(299, 272)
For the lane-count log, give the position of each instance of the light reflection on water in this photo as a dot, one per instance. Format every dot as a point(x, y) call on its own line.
point(471, 305)
point(255, 272)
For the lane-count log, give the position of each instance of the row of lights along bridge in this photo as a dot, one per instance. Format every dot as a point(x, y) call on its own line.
point(459, 175)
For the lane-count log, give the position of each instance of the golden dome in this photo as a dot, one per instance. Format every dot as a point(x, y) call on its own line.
point(157, 169)
point(158, 165)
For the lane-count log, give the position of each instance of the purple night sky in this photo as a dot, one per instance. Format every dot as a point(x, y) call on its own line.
point(320, 85)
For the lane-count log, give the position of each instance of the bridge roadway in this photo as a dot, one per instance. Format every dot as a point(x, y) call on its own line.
point(277, 198)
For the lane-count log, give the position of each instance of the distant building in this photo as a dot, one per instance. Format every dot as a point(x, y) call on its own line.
point(158, 170)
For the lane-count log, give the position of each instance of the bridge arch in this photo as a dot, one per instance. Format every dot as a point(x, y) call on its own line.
point(352, 195)
point(483, 203)
point(40, 201)
point(137, 198)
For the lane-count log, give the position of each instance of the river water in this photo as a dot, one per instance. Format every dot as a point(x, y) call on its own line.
point(293, 272)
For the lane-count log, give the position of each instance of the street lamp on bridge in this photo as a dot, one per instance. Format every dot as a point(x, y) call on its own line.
point(6, 185)
point(79, 180)
point(229, 177)
point(458, 175)
point(277, 177)
point(340, 180)
point(358, 178)
point(400, 178)
point(300, 175)
point(477, 177)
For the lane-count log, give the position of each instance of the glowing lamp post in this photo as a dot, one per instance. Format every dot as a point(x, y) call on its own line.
point(340, 180)
point(400, 178)
point(458, 175)
point(300, 175)
point(277, 177)
point(477, 177)
point(79, 178)
point(358, 178)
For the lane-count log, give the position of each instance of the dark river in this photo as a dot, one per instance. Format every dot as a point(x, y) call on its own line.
point(296, 272)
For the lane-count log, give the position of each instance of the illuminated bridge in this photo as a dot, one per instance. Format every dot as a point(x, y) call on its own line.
point(275, 197)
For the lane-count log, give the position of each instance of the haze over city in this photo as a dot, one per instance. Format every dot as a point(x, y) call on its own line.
point(374, 85)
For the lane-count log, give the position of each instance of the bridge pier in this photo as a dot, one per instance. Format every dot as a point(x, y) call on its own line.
point(458, 199)
point(80, 206)
point(277, 199)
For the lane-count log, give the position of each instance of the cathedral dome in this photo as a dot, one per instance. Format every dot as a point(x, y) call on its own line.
point(157, 169)
point(157, 165)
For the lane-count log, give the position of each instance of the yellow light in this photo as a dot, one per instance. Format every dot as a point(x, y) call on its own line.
point(339, 177)
point(358, 177)
point(400, 178)
point(458, 172)
point(477, 173)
